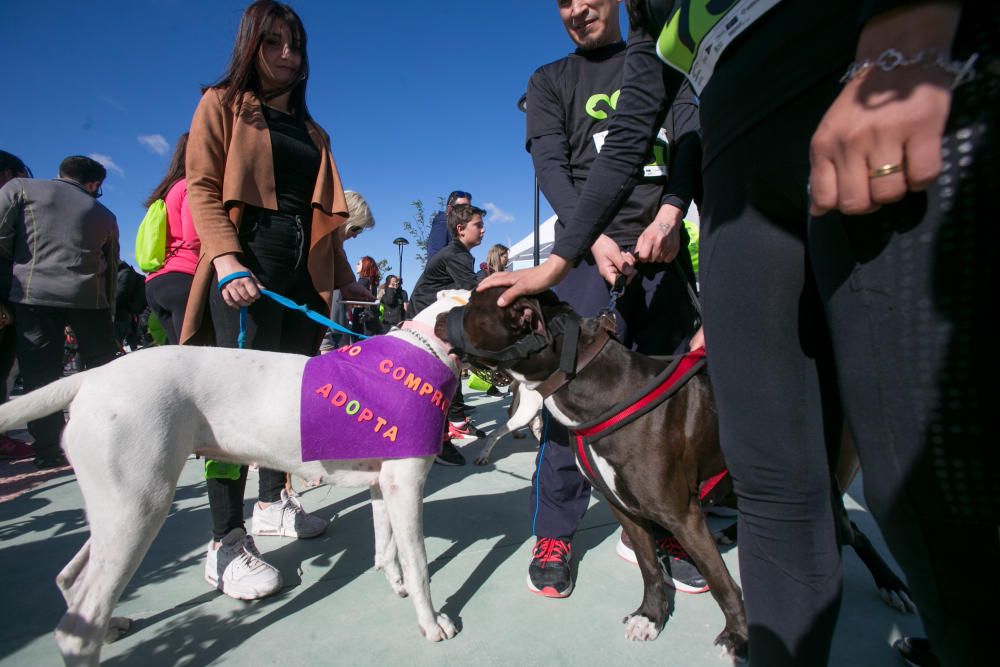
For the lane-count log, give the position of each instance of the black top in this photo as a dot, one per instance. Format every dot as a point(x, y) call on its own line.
point(570, 105)
point(450, 268)
point(787, 50)
point(392, 305)
point(296, 161)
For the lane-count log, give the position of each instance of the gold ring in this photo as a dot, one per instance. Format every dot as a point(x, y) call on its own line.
point(885, 170)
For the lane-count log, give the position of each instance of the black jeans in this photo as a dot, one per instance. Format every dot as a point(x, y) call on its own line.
point(167, 295)
point(40, 340)
point(275, 248)
point(882, 320)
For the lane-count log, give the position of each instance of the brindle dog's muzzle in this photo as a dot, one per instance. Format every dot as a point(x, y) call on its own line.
point(461, 345)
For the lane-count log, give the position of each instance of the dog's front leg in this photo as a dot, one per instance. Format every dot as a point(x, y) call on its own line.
point(528, 404)
point(402, 482)
point(645, 623)
point(386, 556)
point(693, 534)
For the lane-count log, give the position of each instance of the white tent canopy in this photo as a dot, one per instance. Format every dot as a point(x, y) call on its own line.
point(521, 254)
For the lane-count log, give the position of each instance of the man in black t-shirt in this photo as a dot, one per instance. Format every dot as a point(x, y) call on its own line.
point(570, 103)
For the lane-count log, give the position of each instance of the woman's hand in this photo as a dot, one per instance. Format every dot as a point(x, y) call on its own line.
point(661, 240)
point(241, 291)
point(881, 137)
point(527, 281)
point(6, 315)
point(697, 339)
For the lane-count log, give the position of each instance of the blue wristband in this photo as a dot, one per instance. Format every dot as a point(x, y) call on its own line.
point(233, 276)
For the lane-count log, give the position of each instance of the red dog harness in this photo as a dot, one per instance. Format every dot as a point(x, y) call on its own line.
point(664, 386)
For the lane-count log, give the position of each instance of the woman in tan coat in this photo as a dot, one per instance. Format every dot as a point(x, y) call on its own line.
point(266, 200)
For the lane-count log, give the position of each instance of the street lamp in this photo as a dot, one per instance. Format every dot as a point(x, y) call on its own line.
point(522, 106)
point(400, 242)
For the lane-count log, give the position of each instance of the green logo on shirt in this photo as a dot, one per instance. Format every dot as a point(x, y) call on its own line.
point(681, 36)
point(594, 100)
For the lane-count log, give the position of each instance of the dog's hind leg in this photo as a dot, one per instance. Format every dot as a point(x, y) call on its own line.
point(127, 495)
point(645, 623)
point(692, 532)
point(69, 574)
point(386, 554)
point(402, 482)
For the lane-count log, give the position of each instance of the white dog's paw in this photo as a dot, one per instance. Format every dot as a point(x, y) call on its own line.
point(395, 578)
point(118, 627)
point(442, 629)
point(639, 628)
point(483, 460)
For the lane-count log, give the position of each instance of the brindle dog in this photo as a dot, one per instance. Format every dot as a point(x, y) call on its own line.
point(652, 467)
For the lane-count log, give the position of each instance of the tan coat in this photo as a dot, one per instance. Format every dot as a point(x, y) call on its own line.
point(229, 165)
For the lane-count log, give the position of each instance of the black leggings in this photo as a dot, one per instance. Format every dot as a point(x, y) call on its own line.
point(167, 295)
point(275, 249)
point(881, 319)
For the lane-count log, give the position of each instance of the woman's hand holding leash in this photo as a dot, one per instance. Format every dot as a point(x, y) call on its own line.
point(237, 292)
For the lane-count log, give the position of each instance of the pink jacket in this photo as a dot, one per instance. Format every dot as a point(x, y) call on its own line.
point(183, 245)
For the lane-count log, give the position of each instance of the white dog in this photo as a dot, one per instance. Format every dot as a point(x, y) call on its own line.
point(133, 424)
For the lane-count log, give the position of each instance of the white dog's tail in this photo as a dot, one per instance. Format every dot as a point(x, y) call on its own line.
point(41, 402)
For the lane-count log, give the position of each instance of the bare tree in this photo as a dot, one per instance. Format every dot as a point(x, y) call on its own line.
point(418, 229)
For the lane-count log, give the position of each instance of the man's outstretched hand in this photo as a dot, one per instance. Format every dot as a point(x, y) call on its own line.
point(527, 281)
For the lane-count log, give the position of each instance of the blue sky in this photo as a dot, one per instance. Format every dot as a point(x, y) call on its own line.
point(418, 97)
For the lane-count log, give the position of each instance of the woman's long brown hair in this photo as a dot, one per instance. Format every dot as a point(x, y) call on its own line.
point(241, 75)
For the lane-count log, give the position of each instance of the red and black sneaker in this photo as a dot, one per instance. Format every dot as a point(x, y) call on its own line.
point(464, 430)
point(682, 570)
point(548, 573)
point(683, 573)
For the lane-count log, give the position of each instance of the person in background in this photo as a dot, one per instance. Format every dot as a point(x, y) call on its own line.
point(365, 319)
point(496, 260)
point(168, 287)
point(393, 302)
point(359, 219)
point(440, 236)
point(451, 268)
point(11, 166)
point(130, 304)
point(267, 203)
point(62, 245)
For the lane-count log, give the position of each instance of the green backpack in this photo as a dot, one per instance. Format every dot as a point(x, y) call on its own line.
point(151, 239)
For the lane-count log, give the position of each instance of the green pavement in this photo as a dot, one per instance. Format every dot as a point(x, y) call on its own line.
point(336, 609)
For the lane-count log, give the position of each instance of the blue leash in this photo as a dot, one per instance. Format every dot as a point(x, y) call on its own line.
point(287, 303)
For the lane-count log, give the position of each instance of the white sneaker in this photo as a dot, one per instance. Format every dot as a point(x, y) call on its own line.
point(286, 518)
point(236, 568)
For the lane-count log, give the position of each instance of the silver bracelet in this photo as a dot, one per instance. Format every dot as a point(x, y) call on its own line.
point(890, 59)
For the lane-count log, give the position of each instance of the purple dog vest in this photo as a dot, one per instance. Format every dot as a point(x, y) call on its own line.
point(381, 398)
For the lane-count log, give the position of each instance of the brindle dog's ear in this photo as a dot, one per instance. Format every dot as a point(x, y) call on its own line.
point(525, 316)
